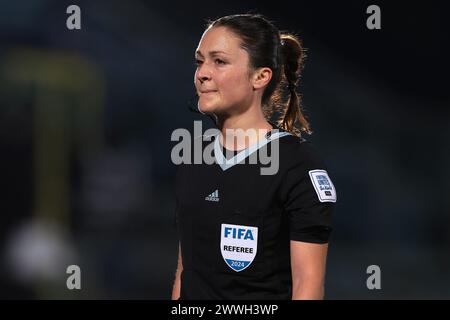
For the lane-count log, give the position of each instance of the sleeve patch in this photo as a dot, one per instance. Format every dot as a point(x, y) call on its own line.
point(322, 184)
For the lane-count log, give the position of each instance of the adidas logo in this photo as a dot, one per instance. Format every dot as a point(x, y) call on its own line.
point(213, 196)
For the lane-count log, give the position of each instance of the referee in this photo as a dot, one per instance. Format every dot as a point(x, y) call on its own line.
point(244, 234)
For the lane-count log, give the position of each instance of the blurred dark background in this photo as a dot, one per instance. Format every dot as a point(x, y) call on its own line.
point(86, 118)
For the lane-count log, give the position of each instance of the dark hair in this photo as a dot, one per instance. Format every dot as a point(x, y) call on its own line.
point(281, 52)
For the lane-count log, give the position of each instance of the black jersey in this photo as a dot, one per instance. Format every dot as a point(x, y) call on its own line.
point(235, 224)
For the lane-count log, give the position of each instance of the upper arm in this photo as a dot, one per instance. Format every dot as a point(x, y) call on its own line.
point(308, 260)
point(180, 260)
point(308, 266)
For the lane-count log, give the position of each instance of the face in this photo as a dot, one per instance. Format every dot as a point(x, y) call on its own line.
point(222, 78)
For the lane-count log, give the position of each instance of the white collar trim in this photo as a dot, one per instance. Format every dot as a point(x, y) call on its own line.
point(228, 163)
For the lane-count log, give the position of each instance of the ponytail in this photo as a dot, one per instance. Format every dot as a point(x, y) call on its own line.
point(292, 57)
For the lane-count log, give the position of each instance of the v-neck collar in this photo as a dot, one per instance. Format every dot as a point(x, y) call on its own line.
point(226, 164)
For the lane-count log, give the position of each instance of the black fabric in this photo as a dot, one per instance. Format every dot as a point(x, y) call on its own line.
point(283, 207)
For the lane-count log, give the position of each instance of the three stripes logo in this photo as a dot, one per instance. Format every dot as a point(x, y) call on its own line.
point(213, 196)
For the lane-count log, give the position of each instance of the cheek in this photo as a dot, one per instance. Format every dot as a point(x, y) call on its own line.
point(196, 81)
point(234, 84)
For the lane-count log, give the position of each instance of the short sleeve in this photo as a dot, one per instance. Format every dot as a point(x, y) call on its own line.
point(176, 219)
point(177, 194)
point(309, 196)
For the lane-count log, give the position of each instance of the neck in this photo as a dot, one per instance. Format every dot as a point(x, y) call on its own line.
point(239, 131)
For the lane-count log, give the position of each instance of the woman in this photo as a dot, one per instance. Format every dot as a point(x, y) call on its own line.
point(244, 234)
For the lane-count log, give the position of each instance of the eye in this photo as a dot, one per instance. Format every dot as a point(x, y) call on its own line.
point(219, 61)
point(198, 62)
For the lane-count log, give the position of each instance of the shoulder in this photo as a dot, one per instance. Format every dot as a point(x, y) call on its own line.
point(307, 169)
point(299, 151)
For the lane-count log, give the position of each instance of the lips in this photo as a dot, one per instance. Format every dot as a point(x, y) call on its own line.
point(208, 91)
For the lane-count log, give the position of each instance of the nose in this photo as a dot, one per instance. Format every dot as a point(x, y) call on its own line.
point(203, 73)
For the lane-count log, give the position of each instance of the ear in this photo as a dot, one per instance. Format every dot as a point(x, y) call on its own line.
point(261, 77)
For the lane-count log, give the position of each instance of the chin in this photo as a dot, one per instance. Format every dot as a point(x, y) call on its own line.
point(207, 108)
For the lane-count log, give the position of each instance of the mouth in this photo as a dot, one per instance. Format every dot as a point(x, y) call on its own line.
point(208, 91)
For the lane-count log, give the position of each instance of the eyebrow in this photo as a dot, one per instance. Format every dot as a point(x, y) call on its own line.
point(211, 53)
